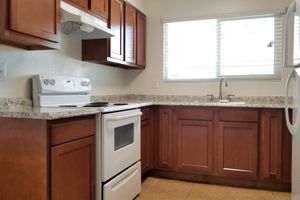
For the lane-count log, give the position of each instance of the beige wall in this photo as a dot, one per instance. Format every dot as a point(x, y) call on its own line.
point(140, 82)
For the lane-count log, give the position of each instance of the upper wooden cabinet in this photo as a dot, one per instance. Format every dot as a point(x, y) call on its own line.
point(141, 40)
point(128, 48)
point(100, 7)
point(116, 23)
point(24, 24)
point(130, 33)
point(81, 3)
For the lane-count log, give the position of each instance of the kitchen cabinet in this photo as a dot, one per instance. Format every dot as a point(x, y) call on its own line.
point(127, 49)
point(24, 24)
point(47, 159)
point(146, 140)
point(275, 147)
point(238, 149)
point(194, 136)
point(271, 144)
point(231, 146)
point(141, 40)
point(81, 3)
point(165, 138)
point(98, 8)
point(130, 33)
point(73, 170)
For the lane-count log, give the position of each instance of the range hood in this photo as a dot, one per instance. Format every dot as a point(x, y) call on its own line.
point(82, 25)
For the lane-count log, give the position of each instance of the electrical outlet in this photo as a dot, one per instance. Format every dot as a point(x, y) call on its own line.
point(2, 71)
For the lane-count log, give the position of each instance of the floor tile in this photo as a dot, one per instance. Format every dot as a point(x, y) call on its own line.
point(164, 189)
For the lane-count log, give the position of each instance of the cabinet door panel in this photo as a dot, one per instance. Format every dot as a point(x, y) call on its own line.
point(26, 16)
point(100, 7)
point(271, 145)
point(165, 147)
point(117, 27)
point(195, 146)
point(238, 149)
point(130, 34)
point(146, 146)
point(81, 3)
point(73, 170)
point(141, 40)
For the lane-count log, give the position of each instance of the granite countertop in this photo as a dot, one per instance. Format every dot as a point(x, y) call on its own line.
point(22, 108)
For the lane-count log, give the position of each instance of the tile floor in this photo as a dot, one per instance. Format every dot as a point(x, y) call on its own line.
point(163, 189)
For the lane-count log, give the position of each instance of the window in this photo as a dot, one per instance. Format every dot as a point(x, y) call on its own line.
point(235, 48)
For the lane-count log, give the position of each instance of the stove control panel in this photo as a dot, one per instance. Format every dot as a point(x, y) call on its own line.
point(61, 84)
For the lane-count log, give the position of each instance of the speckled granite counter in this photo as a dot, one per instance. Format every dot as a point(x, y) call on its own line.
point(22, 108)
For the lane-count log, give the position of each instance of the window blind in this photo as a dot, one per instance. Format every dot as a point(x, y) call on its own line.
point(237, 48)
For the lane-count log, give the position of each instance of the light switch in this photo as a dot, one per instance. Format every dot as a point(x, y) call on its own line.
point(2, 71)
point(154, 84)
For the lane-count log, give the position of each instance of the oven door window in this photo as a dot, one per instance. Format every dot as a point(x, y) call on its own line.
point(124, 136)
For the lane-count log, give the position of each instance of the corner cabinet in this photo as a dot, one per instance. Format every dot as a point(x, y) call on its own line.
point(24, 24)
point(51, 159)
point(128, 48)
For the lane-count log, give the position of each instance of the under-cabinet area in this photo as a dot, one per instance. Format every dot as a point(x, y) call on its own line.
point(246, 147)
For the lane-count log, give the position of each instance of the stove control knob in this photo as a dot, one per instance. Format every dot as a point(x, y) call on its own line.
point(46, 81)
point(52, 82)
point(87, 84)
point(83, 83)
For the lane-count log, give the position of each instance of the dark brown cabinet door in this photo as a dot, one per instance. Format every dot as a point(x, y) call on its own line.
point(35, 18)
point(271, 145)
point(238, 149)
point(73, 170)
point(130, 33)
point(81, 3)
point(116, 23)
point(100, 7)
point(165, 139)
point(141, 40)
point(194, 146)
point(146, 146)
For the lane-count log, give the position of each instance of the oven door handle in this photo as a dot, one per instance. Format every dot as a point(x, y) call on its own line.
point(124, 117)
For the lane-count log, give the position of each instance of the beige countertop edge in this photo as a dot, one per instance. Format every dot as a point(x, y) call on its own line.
point(53, 113)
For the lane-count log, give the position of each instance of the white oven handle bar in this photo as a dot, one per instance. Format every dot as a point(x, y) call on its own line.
point(124, 117)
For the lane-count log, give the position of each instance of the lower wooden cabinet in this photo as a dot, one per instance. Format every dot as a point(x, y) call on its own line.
point(235, 146)
point(238, 149)
point(194, 146)
point(73, 170)
point(276, 142)
point(43, 160)
point(165, 139)
point(146, 141)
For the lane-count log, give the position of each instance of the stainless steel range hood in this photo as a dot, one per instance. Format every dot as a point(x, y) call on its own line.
point(81, 24)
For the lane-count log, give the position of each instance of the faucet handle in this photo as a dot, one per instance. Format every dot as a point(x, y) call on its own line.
point(229, 96)
point(211, 97)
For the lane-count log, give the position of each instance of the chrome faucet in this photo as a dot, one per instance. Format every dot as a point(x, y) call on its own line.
point(221, 89)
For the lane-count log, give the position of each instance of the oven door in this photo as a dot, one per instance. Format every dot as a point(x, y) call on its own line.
point(121, 141)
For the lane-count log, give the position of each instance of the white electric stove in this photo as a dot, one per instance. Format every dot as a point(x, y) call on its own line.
point(118, 167)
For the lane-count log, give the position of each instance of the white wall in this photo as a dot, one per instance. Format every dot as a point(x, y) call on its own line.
point(140, 82)
point(22, 64)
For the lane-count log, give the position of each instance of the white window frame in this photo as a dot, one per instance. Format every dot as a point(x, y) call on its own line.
point(278, 69)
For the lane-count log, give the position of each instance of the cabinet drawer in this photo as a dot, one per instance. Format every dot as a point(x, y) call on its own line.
point(66, 131)
point(195, 113)
point(238, 115)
